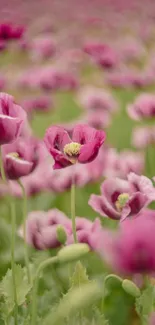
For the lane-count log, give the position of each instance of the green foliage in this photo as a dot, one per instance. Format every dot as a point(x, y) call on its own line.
point(79, 276)
point(6, 289)
point(144, 304)
point(95, 318)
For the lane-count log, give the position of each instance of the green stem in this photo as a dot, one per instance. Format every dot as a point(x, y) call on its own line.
point(73, 211)
point(42, 266)
point(56, 279)
point(149, 159)
point(2, 166)
point(13, 226)
point(13, 234)
point(107, 278)
point(26, 254)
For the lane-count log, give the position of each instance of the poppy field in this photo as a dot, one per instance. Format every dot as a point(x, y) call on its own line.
point(77, 156)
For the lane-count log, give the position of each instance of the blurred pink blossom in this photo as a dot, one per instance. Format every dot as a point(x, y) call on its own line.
point(41, 228)
point(128, 256)
point(143, 136)
point(143, 107)
point(42, 47)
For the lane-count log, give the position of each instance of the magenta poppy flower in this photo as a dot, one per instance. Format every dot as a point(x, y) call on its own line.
point(83, 146)
point(123, 198)
point(133, 247)
point(41, 228)
point(10, 32)
point(20, 158)
point(12, 117)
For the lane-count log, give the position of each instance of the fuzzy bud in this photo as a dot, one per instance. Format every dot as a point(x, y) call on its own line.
point(72, 252)
point(61, 234)
point(130, 288)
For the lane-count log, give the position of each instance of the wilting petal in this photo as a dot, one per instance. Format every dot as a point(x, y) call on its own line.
point(16, 168)
point(10, 128)
point(101, 205)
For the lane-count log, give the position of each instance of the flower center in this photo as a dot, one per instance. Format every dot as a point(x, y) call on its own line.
point(14, 154)
point(72, 149)
point(121, 201)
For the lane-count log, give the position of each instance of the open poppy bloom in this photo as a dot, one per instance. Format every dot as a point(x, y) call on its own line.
point(120, 198)
point(83, 145)
point(12, 117)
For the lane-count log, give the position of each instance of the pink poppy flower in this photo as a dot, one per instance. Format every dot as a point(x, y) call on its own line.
point(102, 54)
point(37, 181)
point(95, 99)
point(86, 231)
point(12, 117)
point(58, 79)
point(143, 136)
point(143, 107)
point(20, 158)
point(129, 161)
point(120, 199)
point(82, 147)
point(98, 119)
point(132, 248)
point(38, 104)
point(43, 47)
point(118, 79)
point(41, 228)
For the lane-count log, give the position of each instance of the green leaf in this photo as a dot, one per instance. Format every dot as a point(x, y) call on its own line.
point(75, 301)
point(79, 276)
point(22, 287)
point(144, 304)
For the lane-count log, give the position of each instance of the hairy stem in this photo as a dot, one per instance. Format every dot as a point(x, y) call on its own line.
point(42, 266)
point(26, 254)
point(73, 211)
point(13, 234)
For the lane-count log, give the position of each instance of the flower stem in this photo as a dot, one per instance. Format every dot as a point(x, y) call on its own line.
point(13, 234)
point(73, 211)
point(26, 254)
point(13, 226)
point(42, 266)
point(2, 167)
point(149, 160)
